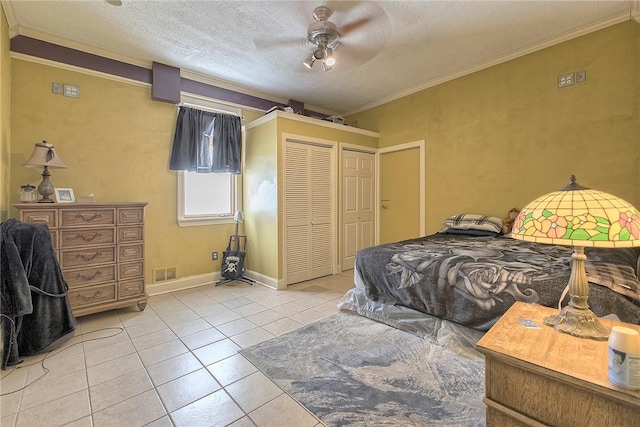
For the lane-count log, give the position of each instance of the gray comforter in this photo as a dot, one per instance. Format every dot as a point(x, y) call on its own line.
point(473, 280)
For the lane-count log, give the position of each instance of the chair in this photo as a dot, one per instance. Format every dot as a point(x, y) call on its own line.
point(36, 313)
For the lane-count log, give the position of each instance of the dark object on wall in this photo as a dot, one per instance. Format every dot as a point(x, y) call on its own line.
point(165, 83)
point(298, 106)
point(36, 314)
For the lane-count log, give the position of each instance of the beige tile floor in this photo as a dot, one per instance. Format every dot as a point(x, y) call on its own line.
point(174, 364)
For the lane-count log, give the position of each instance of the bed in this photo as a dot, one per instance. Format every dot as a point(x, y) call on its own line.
point(465, 277)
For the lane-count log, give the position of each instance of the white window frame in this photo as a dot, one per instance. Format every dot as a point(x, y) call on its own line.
point(185, 220)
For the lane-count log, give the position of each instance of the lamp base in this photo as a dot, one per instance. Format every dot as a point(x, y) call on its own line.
point(579, 323)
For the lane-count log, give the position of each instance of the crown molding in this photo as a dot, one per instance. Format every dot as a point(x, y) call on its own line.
point(82, 70)
point(505, 58)
point(60, 41)
point(225, 84)
point(635, 10)
point(12, 23)
point(309, 120)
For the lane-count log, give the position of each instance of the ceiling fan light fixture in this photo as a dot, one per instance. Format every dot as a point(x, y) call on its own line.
point(325, 66)
point(328, 58)
point(309, 61)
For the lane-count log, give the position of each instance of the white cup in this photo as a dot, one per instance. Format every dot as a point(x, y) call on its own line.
point(624, 357)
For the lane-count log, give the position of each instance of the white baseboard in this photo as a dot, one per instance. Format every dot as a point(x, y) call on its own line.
point(208, 279)
point(267, 281)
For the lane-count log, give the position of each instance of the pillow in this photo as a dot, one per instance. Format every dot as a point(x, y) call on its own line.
point(470, 232)
point(619, 278)
point(472, 222)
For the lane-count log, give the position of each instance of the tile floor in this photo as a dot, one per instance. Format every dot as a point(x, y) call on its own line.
point(174, 364)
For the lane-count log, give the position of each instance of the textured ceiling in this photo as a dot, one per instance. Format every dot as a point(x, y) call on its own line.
point(389, 48)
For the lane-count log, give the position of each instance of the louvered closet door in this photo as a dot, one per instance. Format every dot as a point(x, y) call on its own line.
point(308, 199)
point(321, 203)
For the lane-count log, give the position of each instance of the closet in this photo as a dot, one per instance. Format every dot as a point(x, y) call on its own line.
point(309, 203)
point(292, 196)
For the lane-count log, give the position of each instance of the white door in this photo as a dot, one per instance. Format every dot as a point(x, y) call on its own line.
point(308, 206)
point(358, 208)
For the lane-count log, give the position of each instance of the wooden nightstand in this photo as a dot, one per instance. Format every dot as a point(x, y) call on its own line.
point(538, 377)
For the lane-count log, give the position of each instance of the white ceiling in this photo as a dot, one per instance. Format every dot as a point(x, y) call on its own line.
point(396, 47)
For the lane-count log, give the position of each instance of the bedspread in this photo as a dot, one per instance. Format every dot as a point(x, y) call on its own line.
point(473, 280)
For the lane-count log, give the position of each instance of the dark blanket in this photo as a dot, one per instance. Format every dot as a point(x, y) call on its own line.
point(474, 280)
point(36, 314)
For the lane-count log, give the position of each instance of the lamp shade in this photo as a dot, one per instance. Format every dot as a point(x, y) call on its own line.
point(579, 216)
point(44, 154)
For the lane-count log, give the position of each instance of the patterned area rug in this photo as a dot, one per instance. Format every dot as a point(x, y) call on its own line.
point(352, 371)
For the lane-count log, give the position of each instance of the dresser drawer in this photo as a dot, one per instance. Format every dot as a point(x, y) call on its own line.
point(86, 237)
point(48, 217)
point(90, 275)
point(130, 252)
point(130, 216)
point(87, 257)
point(87, 217)
point(130, 234)
point(130, 270)
point(54, 238)
point(130, 288)
point(92, 295)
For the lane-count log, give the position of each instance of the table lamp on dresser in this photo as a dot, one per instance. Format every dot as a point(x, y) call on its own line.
point(580, 217)
point(44, 155)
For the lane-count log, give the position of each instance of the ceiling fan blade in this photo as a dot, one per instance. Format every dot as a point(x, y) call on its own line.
point(278, 42)
point(347, 55)
point(346, 29)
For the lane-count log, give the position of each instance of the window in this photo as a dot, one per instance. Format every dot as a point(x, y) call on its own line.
point(207, 198)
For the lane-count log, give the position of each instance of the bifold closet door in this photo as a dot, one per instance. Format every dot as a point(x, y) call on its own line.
point(308, 205)
point(358, 204)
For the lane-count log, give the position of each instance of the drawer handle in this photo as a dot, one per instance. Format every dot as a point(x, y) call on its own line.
point(87, 239)
point(88, 218)
point(43, 219)
point(98, 292)
point(93, 276)
point(88, 258)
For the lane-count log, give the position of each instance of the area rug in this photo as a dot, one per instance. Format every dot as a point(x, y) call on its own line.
point(352, 371)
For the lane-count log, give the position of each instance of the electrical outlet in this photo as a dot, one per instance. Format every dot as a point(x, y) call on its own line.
point(566, 80)
point(71, 91)
point(214, 256)
point(171, 273)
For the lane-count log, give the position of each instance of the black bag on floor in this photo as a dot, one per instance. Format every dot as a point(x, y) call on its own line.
point(233, 260)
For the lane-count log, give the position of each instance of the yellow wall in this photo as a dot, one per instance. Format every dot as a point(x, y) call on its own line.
point(116, 143)
point(501, 137)
point(261, 199)
point(5, 116)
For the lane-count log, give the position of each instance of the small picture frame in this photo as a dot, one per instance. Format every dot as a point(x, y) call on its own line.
point(65, 195)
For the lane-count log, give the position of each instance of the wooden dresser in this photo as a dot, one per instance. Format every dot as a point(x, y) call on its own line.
point(100, 248)
point(537, 377)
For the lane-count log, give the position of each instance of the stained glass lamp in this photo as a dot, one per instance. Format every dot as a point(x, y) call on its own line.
point(580, 217)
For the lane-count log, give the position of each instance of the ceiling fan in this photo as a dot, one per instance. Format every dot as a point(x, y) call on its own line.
point(323, 35)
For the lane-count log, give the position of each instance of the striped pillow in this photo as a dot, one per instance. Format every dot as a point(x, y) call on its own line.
point(472, 222)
